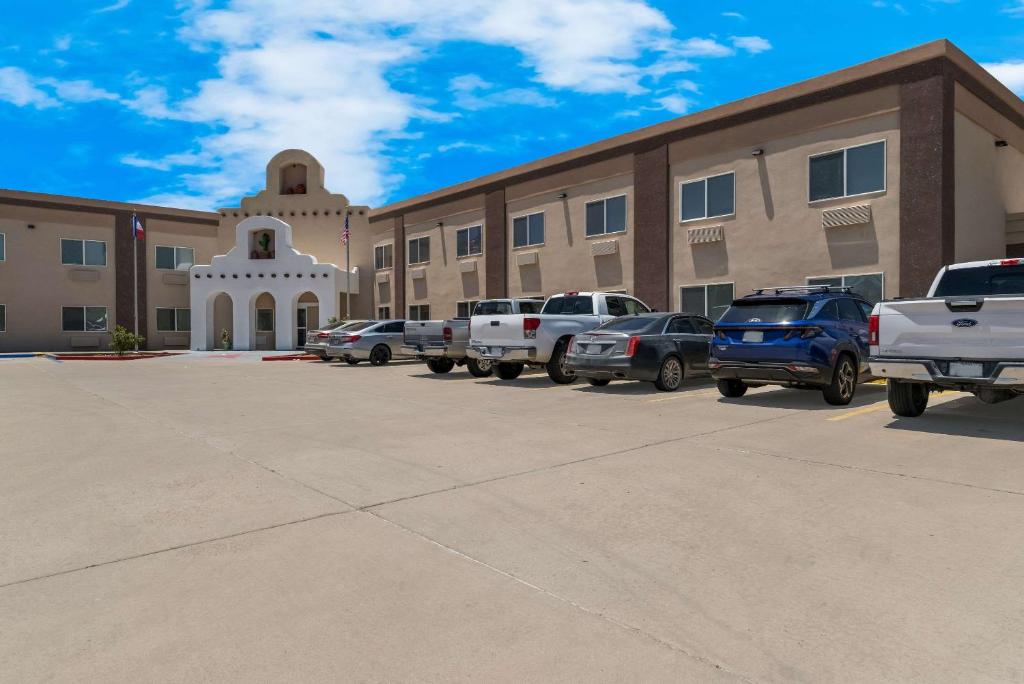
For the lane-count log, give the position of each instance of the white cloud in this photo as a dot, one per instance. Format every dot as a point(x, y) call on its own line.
point(78, 91)
point(474, 93)
point(677, 104)
point(733, 15)
point(1010, 72)
point(701, 47)
point(20, 89)
point(115, 6)
point(752, 44)
point(464, 145)
point(1016, 9)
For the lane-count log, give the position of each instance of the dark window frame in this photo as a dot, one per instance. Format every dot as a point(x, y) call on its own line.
point(604, 224)
point(846, 173)
point(704, 180)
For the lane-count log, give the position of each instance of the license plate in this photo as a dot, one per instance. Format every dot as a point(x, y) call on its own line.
point(966, 370)
point(753, 336)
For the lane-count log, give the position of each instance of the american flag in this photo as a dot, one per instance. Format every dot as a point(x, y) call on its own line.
point(344, 233)
point(138, 232)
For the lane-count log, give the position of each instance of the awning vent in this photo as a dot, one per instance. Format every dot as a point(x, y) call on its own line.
point(467, 266)
point(418, 274)
point(604, 247)
point(383, 276)
point(699, 236)
point(526, 258)
point(856, 215)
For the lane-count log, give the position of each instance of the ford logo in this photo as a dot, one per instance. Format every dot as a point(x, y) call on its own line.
point(964, 323)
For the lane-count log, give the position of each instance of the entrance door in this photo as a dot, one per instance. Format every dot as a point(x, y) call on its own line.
point(301, 326)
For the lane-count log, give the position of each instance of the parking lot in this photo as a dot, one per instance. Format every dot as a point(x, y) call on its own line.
point(208, 518)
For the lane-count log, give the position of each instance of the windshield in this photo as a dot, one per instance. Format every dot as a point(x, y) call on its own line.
point(988, 280)
point(780, 311)
point(570, 306)
point(627, 324)
point(495, 308)
point(352, 325)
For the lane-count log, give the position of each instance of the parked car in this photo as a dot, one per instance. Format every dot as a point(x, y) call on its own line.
point(967, 334)
point(803, 337)
point(316, 340)
point(375, 341)
point(442, 344)
point(652, 347)
point(513, 341)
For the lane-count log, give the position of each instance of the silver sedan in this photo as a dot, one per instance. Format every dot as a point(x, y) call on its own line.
point(376, 341)
point(316, 340)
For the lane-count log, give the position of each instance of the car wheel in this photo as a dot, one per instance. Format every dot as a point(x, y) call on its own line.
point(844, 383)
point(479, 368)
point(558, 365)
point(509, 371)
point(380, 355)
point(907, 399)
point(670, 377)
point(324, 357)
point(352, 362)
point(598, 382)
point(732, 389)
point(440, 366)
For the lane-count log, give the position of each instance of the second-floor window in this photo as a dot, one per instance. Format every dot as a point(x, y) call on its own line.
point(384, 312)
point(606, 216)
point(528, 230)
point(175, 258)
point(850, 171)
point(3, 318)
point(383, 256)
point(419, 250)
point(173, 320)
point(83, 252)
point(3, 247)
point(419, 312)
point(708, 197)
point(467, 242)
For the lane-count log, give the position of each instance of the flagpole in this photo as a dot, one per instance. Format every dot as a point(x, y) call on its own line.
point(135, 272)
point(348, 274)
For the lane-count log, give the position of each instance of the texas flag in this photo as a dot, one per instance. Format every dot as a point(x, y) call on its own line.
point(138, 232)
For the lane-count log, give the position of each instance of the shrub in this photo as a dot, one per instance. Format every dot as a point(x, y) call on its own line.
point(225, 339)
point(123, 340)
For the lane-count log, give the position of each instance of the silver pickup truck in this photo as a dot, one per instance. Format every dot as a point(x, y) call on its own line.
point(442, 344)
point(542, 340)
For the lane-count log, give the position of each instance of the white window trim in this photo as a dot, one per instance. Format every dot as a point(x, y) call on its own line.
point(625, 227)
point(706, 313)
point(60, 252)
point(512, 228)
point(256, 322)
point(409, 251)
point(175, 309)
point(175, 248)
point(3, 254)
point(846, 176)
point(471, 254)
point(705, 217)
point(382, 246)
point(844, 276)
point(3, 323)
point(83, 308)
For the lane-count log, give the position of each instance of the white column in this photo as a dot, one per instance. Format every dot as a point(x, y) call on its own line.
point(241, 317)
point(202, 319)
point(284, 322)
point(328, 297)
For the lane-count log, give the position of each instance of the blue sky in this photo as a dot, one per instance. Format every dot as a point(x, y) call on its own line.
point(182, 103)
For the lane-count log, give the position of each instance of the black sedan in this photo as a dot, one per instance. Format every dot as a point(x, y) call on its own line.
point(662, 348)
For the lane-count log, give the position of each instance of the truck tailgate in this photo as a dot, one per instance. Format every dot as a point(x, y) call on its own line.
point(953, 329)
point(424, 332)
point(497, 330)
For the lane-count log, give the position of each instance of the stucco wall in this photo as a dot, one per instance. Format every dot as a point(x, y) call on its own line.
point(980, 213)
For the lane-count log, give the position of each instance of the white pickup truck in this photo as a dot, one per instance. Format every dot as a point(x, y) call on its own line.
point(967, 334)
point(541, 340)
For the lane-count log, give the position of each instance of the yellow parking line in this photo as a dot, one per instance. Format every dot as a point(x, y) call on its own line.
point(882, 405)
point(684, 395)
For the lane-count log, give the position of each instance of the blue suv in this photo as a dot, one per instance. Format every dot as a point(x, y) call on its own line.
point(802, 337)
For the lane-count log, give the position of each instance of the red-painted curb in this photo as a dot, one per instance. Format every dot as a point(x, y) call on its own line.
point(109, 357)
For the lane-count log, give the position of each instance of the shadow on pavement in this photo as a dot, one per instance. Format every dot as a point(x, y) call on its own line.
point(806, 400)
point(969, 417)
point(637, 387)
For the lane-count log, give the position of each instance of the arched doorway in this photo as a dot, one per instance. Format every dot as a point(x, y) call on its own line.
point(220, 315)
point(263, 321)
point(307, 316)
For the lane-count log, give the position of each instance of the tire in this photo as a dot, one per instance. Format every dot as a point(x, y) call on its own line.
point(558, 369)
point(509, 371)
point(733, 389)
point(598, 382)
point(380, 355)
point(907, 399)
point(670, 377)
point(324, 357)
point(440, 366)
point(352, 362)
point(480, 368)
point(843, 387)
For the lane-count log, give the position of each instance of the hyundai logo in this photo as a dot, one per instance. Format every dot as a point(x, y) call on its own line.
point(964, 323)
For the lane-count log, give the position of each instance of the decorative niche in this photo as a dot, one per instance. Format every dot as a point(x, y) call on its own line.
point(293, 179)
point(262, 243)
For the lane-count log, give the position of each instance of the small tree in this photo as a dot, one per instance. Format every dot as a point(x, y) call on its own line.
point(123, 340)
point(225, 339)
point(332, 320)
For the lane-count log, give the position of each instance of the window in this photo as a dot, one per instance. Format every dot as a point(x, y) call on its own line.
point(83, 252)
point(680, 326)
point(175, 258)
point(383, 256)
point(570, 305)
point(870, 286)
point(3, 247)
point(849, 311)
point(981, 281)
point(465, 309)
point(384, 312)
point(848, 172)
point(708, 300)
point(264, 320)
point(3, 318)
point(531, 307)
point(772, 311)
point(396, 327)
point(467, 242)
point(173, 320)
point(84, 318)
point(528, 230)
point(419, 250)
point(616, 306)
point(419, 312)
point(708, 197)
point(606, 216)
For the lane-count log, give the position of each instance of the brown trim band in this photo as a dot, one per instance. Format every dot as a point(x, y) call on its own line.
point(398, 295)
point(89, 209)
point(124, 275)
point(651, 227)
point(496, 247)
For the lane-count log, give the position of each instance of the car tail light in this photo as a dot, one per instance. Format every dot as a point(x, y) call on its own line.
point(632, 345)
point(322, 336)
point(446, 334)
point(1010, 262)
point(348, 339)
point(530, 326)
point(873, 322)
point(571, 346)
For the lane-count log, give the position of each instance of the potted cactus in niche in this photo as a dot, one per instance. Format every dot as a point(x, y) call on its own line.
point(225, 339)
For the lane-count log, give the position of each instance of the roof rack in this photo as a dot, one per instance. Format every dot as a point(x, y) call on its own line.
point(805, 289)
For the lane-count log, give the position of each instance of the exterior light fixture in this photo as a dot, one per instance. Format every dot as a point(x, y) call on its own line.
point(758, 152)
point(562, 195)
point(1001, 143)
point(31, 226)
point(440, 224)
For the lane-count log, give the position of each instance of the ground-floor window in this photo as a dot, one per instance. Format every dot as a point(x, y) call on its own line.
point(870, 286)
point(264, 320)
point(173, 320)
point(465, 309)
point(3, 318)
point(84, 318)
point(707, 300)
point(419, 312)
point(384, 312)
